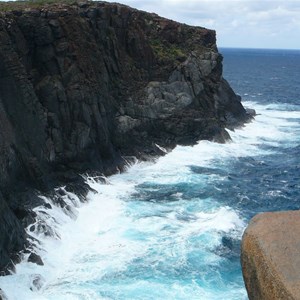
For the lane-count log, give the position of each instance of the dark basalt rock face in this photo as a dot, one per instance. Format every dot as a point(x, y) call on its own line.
point(87, 86)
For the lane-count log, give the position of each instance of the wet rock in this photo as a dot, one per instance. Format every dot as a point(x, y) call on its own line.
point(42, 226)
point(36, 259)
point(227, 242)
point(79, 189)
point(47, 205)
point(251, 112)
point(37, 282)
point(2, 295)
point(10, 269)
point(12, 235)
point(70, 211)
point(270, 256)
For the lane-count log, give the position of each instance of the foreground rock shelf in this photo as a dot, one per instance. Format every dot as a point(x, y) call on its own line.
point(271, 256)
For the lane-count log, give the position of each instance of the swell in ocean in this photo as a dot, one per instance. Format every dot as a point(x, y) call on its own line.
point(172, 229)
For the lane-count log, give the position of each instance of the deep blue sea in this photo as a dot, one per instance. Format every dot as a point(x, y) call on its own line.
point(172, 229)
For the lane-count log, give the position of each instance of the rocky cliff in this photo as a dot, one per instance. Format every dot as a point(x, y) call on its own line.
point(86, 86)
point(270, 256)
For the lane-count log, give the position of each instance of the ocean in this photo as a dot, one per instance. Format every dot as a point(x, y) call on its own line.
point(172, 229)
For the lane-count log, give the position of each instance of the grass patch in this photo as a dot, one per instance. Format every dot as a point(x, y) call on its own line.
point(19, 5)
point(166, 51)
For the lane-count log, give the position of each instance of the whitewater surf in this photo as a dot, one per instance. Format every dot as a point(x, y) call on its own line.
point(169, 229)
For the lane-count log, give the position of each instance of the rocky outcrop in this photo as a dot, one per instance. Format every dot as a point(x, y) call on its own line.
point(270, 256)
point(86, 86)
point(2, 295)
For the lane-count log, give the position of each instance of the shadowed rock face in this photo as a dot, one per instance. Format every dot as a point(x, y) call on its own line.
point(271, 256)
point(84, 85)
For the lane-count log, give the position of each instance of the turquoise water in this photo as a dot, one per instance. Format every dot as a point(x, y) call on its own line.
point(172, 229)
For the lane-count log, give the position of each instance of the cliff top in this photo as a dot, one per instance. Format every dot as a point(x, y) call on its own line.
point(19, 7)
point(170, 41)
point(33, 6)
point(22, 5)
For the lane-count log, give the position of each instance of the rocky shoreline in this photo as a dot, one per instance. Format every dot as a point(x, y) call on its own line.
point(86, 88)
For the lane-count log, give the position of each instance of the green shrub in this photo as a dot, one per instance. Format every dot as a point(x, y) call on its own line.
point(164, 50)
point(16, 5)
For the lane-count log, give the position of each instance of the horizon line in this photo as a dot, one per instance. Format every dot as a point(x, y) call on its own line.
point(258, 48)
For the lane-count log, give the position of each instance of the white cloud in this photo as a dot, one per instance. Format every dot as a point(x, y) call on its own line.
point(239, 23)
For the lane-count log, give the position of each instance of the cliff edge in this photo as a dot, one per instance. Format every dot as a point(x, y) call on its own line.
point(271, 256)
point(86, 87)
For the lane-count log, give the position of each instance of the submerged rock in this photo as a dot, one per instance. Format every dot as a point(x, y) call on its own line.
point(271, 256)
point(37, 282)
point(85, 85)
point(2, 295)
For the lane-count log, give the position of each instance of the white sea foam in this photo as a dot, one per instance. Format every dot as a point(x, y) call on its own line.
point(98, 241)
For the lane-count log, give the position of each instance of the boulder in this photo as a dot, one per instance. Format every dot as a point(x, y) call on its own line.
point(270, 256)
point(37, 282)
point(36, 259)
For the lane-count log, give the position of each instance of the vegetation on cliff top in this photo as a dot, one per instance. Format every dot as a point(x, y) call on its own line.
point(167, 52)
point(15, 5)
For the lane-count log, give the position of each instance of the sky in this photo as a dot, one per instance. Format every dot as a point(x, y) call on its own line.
point(238, 23)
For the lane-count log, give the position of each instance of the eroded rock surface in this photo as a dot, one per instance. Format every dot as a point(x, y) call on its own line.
point(271, 256)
